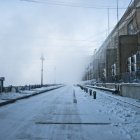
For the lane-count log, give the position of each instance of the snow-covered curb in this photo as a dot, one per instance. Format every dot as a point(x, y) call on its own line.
point(7, 98)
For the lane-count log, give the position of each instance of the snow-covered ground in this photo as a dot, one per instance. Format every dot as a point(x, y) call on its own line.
point(55, 116)
point(120, 111)
point(22, 93)
point(135, 102)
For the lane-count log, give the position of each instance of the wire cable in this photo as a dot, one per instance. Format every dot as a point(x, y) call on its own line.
point(72, 4)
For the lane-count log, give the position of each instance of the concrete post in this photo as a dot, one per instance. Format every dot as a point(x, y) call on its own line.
point(94, 94)
point(90, 92)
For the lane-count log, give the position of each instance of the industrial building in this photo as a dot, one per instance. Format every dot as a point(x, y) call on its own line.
point(118, 59)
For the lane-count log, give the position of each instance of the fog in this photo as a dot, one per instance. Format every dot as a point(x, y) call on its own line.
point(65, 36)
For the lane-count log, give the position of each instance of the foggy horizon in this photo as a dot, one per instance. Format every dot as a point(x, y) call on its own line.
point(66, 36)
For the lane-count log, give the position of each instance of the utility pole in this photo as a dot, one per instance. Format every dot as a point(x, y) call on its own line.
point(108, 20)
point(118, 51)
point(42, 59)
point(118, 14)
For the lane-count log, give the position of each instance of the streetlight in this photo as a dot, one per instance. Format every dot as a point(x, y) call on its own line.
point(42, 59)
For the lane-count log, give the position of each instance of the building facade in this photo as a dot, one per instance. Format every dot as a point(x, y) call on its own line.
point(118, 59)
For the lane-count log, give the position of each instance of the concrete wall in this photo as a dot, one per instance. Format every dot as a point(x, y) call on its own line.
point(107, 85)
point(125, 90)
point(110, 85)
point(130, 90)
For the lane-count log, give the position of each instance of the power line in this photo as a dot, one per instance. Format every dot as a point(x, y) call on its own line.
point(73, 40)
point(84, 40)
point(76, 5)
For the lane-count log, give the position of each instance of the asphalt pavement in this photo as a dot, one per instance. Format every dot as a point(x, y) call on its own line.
point(68, 113)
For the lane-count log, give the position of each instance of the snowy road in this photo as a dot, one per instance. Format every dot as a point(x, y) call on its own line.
point(54, 116)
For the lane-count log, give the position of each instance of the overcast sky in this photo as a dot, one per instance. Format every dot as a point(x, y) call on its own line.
point(66, 32)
